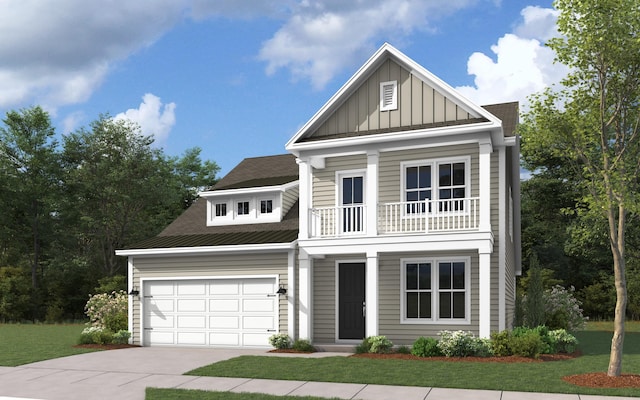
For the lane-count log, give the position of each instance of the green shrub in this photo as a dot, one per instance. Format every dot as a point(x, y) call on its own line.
point(303, 345)
point(121, 337)
point(527, 344)
point(501, 343)
point(280, 341)
point(463, 344)
point(563, 309)
point(426, 347)
point(96, 335)
point(380, 344)
point(404, 350)
point(363, 347)
point(116, 322)
point(564, 341)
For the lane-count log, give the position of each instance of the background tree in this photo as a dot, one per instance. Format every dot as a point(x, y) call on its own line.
point(593, 123)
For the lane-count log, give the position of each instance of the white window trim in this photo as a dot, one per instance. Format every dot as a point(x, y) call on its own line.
point(253, 217)
point(434, 163)
point(351, 174)
point(393, 103)
point(252, 208)
point(434, 320)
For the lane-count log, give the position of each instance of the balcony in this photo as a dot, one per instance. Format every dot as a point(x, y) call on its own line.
point(424, 217)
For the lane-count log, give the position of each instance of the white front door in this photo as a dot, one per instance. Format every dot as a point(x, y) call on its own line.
point(214, 312)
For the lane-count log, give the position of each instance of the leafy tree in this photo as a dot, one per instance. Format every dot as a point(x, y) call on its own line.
point(593, 122)
point(31, 183)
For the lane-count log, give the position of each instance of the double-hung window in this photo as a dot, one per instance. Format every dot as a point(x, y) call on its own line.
point(435, 290)
point(243, 208)
point(443, 182)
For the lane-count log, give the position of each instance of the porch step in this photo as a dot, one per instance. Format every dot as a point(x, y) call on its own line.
point(335, 348)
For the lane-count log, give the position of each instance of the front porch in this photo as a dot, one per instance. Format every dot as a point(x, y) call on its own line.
point(419, 217)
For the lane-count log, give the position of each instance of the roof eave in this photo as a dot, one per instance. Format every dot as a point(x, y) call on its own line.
point(249, 190)
point(203, 250)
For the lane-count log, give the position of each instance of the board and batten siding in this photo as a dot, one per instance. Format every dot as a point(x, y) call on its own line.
point(418, 104)
point(391, 292)
point(208, 267)
point(324, 180)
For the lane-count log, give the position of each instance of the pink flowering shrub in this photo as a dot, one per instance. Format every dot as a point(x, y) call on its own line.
point(108, 310)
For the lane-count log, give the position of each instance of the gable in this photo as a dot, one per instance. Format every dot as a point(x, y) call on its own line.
point(419, 105)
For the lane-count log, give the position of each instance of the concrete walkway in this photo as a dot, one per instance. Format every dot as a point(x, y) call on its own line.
point(124, 374)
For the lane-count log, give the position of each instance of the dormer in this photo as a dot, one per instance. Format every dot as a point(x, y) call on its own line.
point(250, 204)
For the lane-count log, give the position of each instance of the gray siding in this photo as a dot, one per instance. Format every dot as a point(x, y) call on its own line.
point(210, 266)
point(418, 104)
point(289, 198)
point(324, 180)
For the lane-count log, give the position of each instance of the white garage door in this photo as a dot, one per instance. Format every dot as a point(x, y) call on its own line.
point(218, 312)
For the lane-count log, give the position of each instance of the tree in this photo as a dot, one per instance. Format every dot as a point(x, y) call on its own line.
point(31, 180)
point(593, 122)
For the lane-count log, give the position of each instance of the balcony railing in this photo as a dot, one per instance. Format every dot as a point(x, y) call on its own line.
point(431, 216)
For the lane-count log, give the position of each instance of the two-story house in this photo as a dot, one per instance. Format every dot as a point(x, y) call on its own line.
point(396, 214)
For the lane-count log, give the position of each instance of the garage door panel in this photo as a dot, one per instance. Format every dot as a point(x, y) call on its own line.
point(222, 322)
point(258, 305)
point(192, 305)
point(210, 312)
point(192, 321)
point(191, 288)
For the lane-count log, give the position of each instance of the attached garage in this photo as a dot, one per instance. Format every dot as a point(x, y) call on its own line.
point(220, 312)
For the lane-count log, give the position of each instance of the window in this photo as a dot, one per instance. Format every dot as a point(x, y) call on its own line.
point(435, 290)
point(221, 209)
point(443, 181)
point(389, 96)
point(352, 203)
point(266, 206)
point(243, 208)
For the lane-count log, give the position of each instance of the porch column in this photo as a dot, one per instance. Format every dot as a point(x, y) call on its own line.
point(484, 295)
point(291, 294)
point(486, 148)
point(305, 315)
point(371, 294)
point(132, 339)
point(372, 193)
point(305, 178)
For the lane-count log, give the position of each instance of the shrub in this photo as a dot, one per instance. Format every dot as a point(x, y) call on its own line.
point(563, 309)
point(280, 341)
point(526, 344)
point(462, 344)
point(564, 341)
point(380, 344)
point(121, 337)
point(501, 343)
point(534, 303)
point(96, 335)
point(426, 347)
point(363, 347)
point(404, 350)
point(108, 310)
point(303, 345)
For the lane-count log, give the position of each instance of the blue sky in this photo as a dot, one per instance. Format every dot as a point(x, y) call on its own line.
point(238, 78)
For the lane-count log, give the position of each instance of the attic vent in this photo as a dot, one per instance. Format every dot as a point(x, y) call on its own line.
point(389, 96)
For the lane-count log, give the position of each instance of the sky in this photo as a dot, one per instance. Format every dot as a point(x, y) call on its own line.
point(238, 78)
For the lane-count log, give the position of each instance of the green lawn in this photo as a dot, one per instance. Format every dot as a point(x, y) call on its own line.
point(27, 343)
point(526, 377)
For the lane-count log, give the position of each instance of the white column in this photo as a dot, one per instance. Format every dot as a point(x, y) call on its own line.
point(371, 197)
point(485, 185)
point(485, 295)
point(291, 294)
point(305, 298)
point(131, 300)
point(305, 197)
point(371, 294)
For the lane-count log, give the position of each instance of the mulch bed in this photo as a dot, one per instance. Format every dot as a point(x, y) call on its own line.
point(105, 346)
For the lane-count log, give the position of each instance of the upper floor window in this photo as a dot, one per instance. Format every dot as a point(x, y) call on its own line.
point(266, 206)
point(243, 208)
point(221, 209)
point(442, 181)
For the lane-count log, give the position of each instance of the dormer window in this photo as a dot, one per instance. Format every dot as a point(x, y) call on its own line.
point(221, 209)
point(389, 96)
point(243, 208)
point(266, 206)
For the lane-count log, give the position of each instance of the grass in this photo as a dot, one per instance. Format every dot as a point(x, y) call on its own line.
point(180, 394)
point(26, 343)
point(525, 377)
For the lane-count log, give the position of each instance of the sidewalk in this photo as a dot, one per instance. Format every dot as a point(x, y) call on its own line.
point(125, 374)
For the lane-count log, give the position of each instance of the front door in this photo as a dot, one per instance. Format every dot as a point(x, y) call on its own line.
point(351, 296)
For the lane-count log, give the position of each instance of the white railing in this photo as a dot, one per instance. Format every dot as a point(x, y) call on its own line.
point(337, 221)
point(429, 216)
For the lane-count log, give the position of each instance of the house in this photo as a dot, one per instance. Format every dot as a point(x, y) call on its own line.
point(396, 213)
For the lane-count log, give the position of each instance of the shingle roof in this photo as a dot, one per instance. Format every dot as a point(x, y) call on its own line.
point(508, 114)
point(219, 239)
point(259, 170)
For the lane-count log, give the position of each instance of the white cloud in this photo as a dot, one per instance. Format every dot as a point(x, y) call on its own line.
point(154, 119)
point(522, 65)
point(324, 37)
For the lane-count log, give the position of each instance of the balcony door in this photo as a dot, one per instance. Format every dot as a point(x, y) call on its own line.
point(351, 203)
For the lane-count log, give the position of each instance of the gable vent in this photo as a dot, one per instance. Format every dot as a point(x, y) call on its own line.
point(389, 96)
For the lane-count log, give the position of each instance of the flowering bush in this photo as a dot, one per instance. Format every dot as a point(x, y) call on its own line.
point(463, 344)
point(108, 310)
point(280, 341)
point(380, 344)
point(563, 309)
point(96, 335)
point(564, 341)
